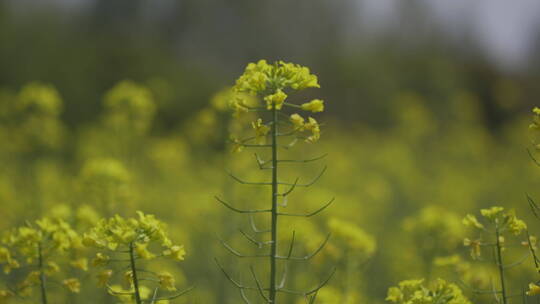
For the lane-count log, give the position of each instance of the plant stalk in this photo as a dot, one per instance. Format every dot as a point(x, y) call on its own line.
point(42, 276)
point(500, 264)
point(134, 273)
point(273, 248)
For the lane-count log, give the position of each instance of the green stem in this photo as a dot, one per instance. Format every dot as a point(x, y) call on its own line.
point(134, 273)
point(273, 248)
point(42, 275)
point(500, 264)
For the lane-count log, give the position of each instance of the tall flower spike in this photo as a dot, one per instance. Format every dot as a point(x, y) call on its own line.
point(273, 84)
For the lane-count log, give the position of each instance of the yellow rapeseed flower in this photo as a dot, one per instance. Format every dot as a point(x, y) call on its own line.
point(471, 221)
point(166, 281)
point(275, 100)
point(72, 284)
point(316, 105)
point(297, 121)
point(534, 289)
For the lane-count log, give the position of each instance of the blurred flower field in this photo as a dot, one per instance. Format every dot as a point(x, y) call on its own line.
point(402, 198)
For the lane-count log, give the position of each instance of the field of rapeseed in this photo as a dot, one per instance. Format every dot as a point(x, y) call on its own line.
point(276, 152)
point(112, 213)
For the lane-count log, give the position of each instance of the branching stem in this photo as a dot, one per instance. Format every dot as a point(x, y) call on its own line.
point(273, 246)
point(500, 264)
point(42, 275)
point(134, 274)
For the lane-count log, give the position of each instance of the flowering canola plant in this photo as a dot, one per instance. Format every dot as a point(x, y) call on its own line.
point(264, 89)
point(36, 248)
point(132, 240)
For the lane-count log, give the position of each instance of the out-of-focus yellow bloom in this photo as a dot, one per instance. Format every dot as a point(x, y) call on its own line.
point(51, 268)
point(471, 221)
point(297, 121)
point(415, 291)
point(72, 285)
point(8, 261)
point(166, 281)
point(475, 247)
point(142, 251)
point(130, 106)
point(534, 289)
point(105, 171)
point(316, 105)
point(505, 220)
point(87, 215)
point(176, 252)
point(492, 212)
point(515, 225)
point(40, 98)
point(261, 130)
point(353, 236)
point(128, 277)
point(275, 100)
point(6, 295)
point(100, 259)
point(236, 145)
point(312, 126)
point(80, 263)
point(103, 277)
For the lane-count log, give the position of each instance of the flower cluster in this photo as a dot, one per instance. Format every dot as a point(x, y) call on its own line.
point(132, 240)
point(262, 77)
point(353, 237)
point(534, 127)
point(37, 111)
point(435, 223)
point(39, 246)
point(416, 292)
point(504, 221)
point(129, 106)
point(271, 82)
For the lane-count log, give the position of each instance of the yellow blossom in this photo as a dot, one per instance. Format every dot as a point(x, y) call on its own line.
point(316, 105)
point(80, 263)
point(142, 251)
point(275, 100)
point(475, 247)
point(312, 126)
point(166, 281)
point(72, 284)
point(103, 277)
point(491, 213)
point(261, 130)
point(534, 289)
point(471, 221)
point(176, 252)
point(297, 121)
point(100, 259)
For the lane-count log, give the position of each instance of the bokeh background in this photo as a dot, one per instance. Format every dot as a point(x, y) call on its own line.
point(427, 109)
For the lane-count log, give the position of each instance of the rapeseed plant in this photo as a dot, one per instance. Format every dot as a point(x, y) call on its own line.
point(273, 84)
point(129, 241)
point(417, 292)
point(495, 232)
point(36, 249)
